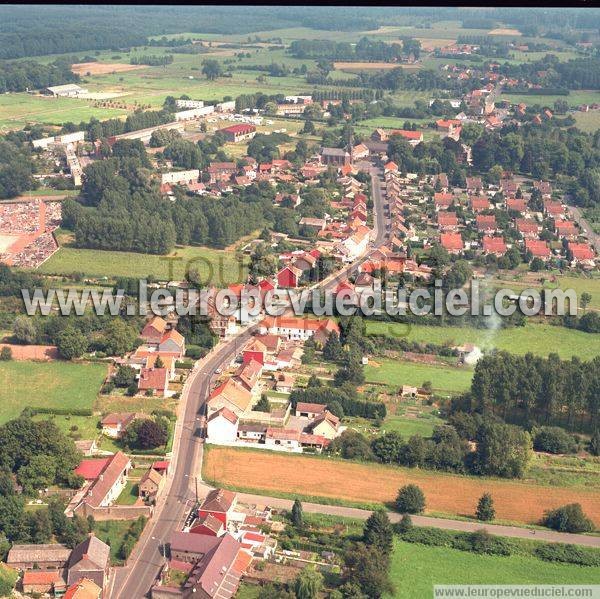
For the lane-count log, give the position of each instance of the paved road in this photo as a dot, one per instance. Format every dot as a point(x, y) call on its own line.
point(445, 523)
point(135, 580)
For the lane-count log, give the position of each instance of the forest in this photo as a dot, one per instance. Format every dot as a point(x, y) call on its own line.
point(18, 76)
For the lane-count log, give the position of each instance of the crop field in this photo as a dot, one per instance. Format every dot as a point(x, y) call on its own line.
point(20, 109)
point(215, 266)
point(395, 373)
point(416, 568)
point(271, 472)
point(588, 121)
point(573, 99)
point(540, 339)
point(63, 385)
point(409, 426)
point(100, 68)
point(367, 66)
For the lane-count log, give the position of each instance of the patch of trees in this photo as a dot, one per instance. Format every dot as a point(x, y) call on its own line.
point(147, 433)
point(153, 60)
point(16, 169)
point(141, 119)
point(28, 75)
point(532, 390)
point(12, 281)
point(365, 49)
point(568, 518)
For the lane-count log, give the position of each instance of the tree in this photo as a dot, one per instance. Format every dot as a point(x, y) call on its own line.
point(309, 128)
point(308, 584)
point(24, 330)
point(263, 404)
point(410, 500)
point(124, 376)
point(405, 524)
point(71, 343)
point(5, 354)
point(211, 68)
point(332, 350)
point(590, 322)
point(146, 433)
point(585, 300)
point(553, 439)
point(594, 446)
point(568, 518)
point(378, 532)
point(485, 508)
point(119, 337)
point(387, 447)
point(368, 568)
point(297, 514)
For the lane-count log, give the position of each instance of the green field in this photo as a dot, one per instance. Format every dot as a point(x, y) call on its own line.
point(416, 568)
point(129, 495)
point(61, 385)
point(215, 266)
point(422, 426)
point(20, 109)
point(76, 427)
point(573, 99)
point(397, 373)
point(588, 121)
point(112, 533)
point(540, 339)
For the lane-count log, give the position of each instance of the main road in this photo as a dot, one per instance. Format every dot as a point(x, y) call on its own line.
point(134, 580)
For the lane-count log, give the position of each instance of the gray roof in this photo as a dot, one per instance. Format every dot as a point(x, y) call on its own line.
point(38, 553)
point(90, 554)
point(192, 542)
point(334, 152)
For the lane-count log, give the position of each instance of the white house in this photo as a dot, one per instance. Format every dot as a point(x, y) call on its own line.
point(180, 177)
point(222, 426)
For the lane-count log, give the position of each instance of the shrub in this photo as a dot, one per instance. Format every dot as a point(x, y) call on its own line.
point(568, 554)
point(553, 439)
point(410, 500)
point(485, 508)
point(435, 537)
point(5, 354)
point(568, 518)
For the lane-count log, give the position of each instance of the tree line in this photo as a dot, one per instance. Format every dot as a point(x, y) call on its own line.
point(18, 76)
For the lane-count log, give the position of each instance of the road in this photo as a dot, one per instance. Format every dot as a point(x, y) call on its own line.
point(135, 580)
point(548, 536)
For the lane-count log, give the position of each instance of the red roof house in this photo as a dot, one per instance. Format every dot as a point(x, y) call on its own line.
point(289, 277)
point(486, 222)
point(479, 203)
point(581, 251)
point(452, 242)
point(538, 248)
point(494, 245)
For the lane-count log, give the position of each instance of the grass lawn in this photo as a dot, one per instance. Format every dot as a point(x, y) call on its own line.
point(129, 495)
point(540, 339)
point(397, 373)
point(416, 568)
point(63, 385)
point(407, 427)
point(219, 267)
point(573, 99)
point(588, 121)
point(247, 591)
point(76, 427)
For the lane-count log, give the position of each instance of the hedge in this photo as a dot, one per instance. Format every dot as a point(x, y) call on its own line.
point(58, 411)
point(569, 554)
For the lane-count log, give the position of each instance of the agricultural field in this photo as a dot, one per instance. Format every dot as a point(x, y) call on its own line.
point(588, 121)
point(339, 481)
point(395, 373)
point(61, 385)
point(416, 568)
point(408, 425)
point(215, 266)
point(573, 99)
point(540, 339)
point(20, 109)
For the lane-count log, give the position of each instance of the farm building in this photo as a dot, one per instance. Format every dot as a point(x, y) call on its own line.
point(239, 132)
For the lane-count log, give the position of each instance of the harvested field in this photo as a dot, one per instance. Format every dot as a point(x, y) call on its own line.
point(501, 31)
point(103, 68)
point(363, 66)
point(32, 352)
point(266, 472)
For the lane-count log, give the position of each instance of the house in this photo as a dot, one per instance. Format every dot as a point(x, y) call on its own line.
point(255, 350)
point(222, 426)
point(335, 156)
point(248, 375)
point(90, 559)
point(42, 581)
point(554, 209)
point(443, 200)
point(310, 410)
point(516, 204)
point(216, 573)
point(412, 137)
point(221, 171)
point(284, 382)
point(83, 589)
point(189, 548)
point(219, 503)
point(109, 484)
point(537, 248)
point(180, 177)
point(494, 245)
point(474, 184)
point(581, 252)
point(239, 132)
point(390, 167)
point(452, 242)
point(359, 152)
point(280, 438)
point(154, 380)
point(153, 330)
point(289, 277)
point(447, 220)
point(326, 425)
point(272, 343)
point(485, 222)
point(69, 90)
point(173, 342)
point(114, 424)
point(231, 395)
point(528, 228)
point(49, 556)
point(90, 470)
point(449, 128)
point(208, 525)
point(313, 223)
point(151, 484)
point(479, 203)
point(565, 228)
point(297, 328)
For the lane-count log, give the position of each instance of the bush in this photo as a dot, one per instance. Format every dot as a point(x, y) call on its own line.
point(485, 508)
point(568, 554)
point(195, 352)
point(481, 541)
point(553, 439)
point(410, 500)
point(435, 537)
point(5, 354)
point(568, 518)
